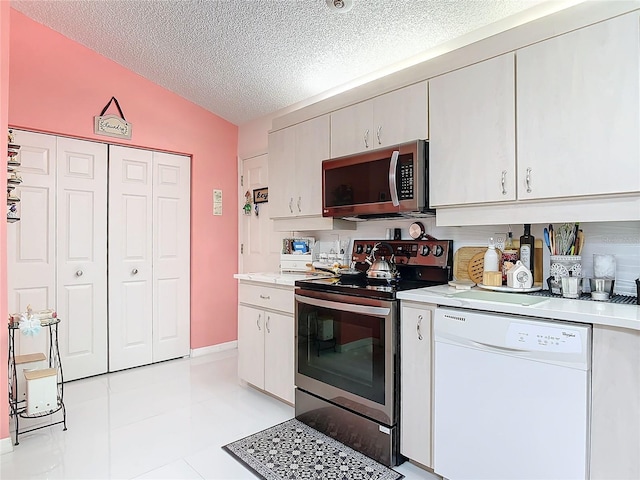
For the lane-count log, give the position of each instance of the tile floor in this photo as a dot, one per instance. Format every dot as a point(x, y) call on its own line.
point(163, 421)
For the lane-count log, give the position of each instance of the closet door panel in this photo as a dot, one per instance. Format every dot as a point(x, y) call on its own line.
point(130, 258)
point(82, 256)
point(171, 256)
point(31, 262)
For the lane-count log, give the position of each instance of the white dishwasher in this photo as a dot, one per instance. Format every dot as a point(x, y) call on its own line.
point(511, 397)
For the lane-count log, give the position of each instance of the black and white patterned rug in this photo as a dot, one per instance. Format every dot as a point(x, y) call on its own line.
point(293, 450)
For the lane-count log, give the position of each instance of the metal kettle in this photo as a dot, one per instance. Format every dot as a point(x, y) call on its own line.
point(381, 268)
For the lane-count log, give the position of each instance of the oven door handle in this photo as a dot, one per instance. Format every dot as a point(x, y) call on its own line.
point(345, 307)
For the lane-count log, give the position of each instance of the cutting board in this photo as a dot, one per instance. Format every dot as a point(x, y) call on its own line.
point(461, 259)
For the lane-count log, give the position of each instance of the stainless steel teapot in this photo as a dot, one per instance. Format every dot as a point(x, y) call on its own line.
point(381, 268)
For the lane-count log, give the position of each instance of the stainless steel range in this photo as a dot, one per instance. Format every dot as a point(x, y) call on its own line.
point(348, 344)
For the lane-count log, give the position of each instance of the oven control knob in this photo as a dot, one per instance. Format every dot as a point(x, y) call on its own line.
point(438, 251)
point(425, 250)
point(369, 248)
point(359, 249)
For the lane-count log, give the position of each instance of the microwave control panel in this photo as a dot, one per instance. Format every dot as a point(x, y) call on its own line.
point(405, 190)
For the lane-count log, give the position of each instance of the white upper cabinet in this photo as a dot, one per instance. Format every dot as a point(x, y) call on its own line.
point(396, 117)
point(295, 168)
point(578, 112)
point(472, 134)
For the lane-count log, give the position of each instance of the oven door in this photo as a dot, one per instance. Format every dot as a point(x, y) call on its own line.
point(346, 352)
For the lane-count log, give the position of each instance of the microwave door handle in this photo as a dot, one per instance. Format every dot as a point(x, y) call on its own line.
point(392, 178)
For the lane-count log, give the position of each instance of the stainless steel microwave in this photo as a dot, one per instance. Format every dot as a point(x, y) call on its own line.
point(382, 183)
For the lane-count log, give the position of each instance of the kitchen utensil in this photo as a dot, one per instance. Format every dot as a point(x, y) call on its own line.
point(476, 267)
point(547, 239)
point(381, 268)
point(461, 259)
point(571, 286)
point(602, 285)
point(416, 230)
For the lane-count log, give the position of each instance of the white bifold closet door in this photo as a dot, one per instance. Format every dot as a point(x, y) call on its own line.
point(57, 252)
point(81, 278)
point(149, 257)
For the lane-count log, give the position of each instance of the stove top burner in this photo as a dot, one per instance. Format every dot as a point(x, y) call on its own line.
point(420, 263)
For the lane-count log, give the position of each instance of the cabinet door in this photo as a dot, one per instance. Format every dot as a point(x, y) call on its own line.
point(416, 383)
point(579, 112)
point(171, 256)
point(352, 129)
point(81, 239)
point(130, 258)
point(282, 168)
point(279, 355)
point(472, 134)
point(400, 116)
point(251, 324)
point(31, 256)
point(262, 246)
point(312, 147)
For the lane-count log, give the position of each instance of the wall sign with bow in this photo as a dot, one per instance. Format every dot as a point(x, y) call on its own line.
point(112, 125)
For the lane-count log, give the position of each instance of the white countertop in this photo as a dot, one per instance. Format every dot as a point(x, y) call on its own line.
point(285, 278)
point(597, 313)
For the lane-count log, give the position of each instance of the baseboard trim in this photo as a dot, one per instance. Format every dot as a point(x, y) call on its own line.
point(198, 352)
point(6, 445)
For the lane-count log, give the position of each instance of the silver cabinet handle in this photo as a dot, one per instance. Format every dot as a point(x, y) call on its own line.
point(504, 179)
point(378, 134)
point(291, 204)
point(299, 200)
point(366, 139)
point(258, 322)
point(134, 271)
point(528, 180)
point(79, 273)
point(265, 297)
point(267, 325)
point(418, 327)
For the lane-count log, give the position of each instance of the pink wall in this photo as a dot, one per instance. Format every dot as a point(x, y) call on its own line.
point(4, 118)
point(57, 85)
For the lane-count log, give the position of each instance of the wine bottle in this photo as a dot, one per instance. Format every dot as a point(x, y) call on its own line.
point(527, 248)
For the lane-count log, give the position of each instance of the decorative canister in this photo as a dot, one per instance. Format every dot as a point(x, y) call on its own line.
point(563, 266)
point(509, 259)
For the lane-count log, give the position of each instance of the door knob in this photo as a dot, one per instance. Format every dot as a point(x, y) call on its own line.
point(134, 271)
point(79, 273)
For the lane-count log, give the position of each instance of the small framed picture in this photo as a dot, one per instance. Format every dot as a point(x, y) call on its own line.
point(261, 195)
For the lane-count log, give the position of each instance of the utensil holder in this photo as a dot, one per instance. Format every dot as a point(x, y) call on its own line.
point(563, 265)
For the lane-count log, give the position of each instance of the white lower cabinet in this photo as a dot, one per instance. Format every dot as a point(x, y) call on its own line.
point(266, 338)
point(615, 404)
point(416, 379)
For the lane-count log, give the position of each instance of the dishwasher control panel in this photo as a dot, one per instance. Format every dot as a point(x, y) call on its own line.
point(543, 338)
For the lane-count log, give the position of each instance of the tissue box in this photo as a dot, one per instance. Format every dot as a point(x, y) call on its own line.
point(42, 390)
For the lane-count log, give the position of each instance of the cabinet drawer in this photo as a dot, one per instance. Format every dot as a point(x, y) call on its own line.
point(273, 298)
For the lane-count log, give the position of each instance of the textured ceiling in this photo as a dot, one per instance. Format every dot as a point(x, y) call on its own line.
point(242, 59)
